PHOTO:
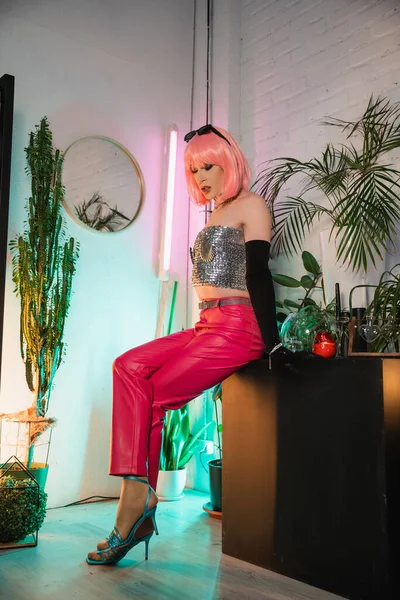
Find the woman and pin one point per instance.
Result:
(237, 322)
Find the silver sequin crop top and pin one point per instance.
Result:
(219, 258)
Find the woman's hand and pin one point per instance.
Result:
(280, 358)
(285, 360)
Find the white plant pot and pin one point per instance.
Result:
(170, 485)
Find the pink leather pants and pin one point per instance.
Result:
(167, 373)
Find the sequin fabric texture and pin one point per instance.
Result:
(219, 258)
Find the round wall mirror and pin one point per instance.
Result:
(104, 186)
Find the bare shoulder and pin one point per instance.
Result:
(253, 203)
(255, 217)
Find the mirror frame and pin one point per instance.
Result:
(139, 174)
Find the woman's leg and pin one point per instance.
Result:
(131, 419)
(226, 339)
(133, 398)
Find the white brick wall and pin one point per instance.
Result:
(302, 60)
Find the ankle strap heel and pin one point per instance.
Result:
(134, 478)
(118, 547)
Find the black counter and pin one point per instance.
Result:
(311, 473)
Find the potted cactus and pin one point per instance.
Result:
(43, 260)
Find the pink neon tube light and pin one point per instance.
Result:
(169, 201)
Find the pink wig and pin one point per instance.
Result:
(210, 149)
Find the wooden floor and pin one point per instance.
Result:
(185, 561)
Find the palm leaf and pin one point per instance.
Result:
(379, 126)
(98, 214)
(366, 218)
(293, 220)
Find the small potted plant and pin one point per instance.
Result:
(309, 282)
(22, 506)
(178, 447)
(303, 320)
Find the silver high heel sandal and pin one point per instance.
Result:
(141, 531)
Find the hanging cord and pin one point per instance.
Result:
(89, 500)
(209, 58)
(190, 129)
(193, 64)
(208, 81)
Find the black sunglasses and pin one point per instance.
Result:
(202, 131)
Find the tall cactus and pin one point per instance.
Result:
(43, 267)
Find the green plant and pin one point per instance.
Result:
(43, 267)
(178, 444)
(22, 508)
(308, 282)
(362, 191)
(384, 310)
(299, 329)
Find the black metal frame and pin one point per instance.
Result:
(12, 466)
(6, 125)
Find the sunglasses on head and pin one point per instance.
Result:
(202, 131)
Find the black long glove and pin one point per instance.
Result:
(261, 290)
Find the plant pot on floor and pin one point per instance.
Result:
(170, 484)
(214, 507)
(215, 467)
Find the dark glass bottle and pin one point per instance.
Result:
(359, 344)
(344, 333)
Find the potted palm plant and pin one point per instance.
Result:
(360, 184)
(178, 447)
(44, 261)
